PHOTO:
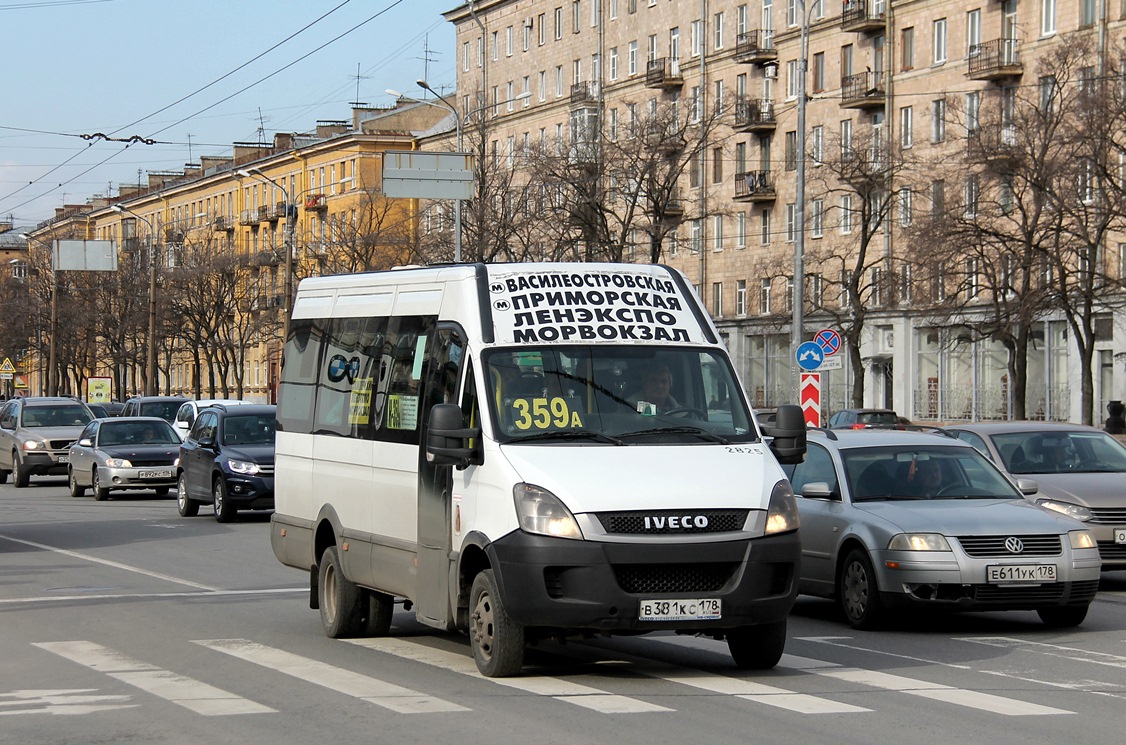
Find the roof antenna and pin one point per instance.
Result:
(358, 103)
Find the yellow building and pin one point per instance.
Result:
(225, 238)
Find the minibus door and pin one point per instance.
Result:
(432, 606)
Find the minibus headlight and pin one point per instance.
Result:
(541, 512)
(783, 514)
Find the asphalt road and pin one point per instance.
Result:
(122, 622)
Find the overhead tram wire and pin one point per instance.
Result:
(223, 100)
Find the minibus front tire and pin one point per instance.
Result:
(496, 640)
(757, 647)
(340, 599)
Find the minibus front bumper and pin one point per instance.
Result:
(562, 583)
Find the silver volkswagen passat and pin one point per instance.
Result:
(892, 520)
(124, 453)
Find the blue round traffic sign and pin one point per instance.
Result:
(809, 355)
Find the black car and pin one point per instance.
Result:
(866, 419)
(164, 407)
(227, 460)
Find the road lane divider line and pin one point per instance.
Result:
(108, 563)
(191, 694)
(151, 595)
(562, 690)
(374, 691)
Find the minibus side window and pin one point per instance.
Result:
(398, 396)
(299, 373)
(350, 364)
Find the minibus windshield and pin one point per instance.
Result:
(615, 395)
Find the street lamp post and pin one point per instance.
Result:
(287, 243)
(151, 388)
(798, 323)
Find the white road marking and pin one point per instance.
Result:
(557, 688)
(938, 692)
(1054, 650)
(760, 693)
(151, 595)
(191, 694)
(62, 702)
(107, 562)
(375, 691)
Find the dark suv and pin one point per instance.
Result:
(36, 434)
(227, 460)
(866, 419)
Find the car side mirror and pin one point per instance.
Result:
(788, 433)
(86, 442)
(817, 490)
(1028, 487)
(447, 440)
(207, 441)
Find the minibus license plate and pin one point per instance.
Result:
(700, 609)
(1029, 573)
(166, 474)
(1120, 535)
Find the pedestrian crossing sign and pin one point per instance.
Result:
(7, 367)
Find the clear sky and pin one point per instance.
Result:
(194, 75)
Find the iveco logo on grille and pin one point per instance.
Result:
(676, 522)
(1014, 545)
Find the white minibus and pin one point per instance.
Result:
(524, 452)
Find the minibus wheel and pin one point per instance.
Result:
(757, 647)
(496, 640)
(340, 599)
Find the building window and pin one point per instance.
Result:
(717, 299)
(508, 42)
(971, 193)
(791, 224)
(613, 63)
(558, 24)
(973, 109)
(543, 85)
(938, 120)
(940, 41)
(741, 230)
(740, 297)
(465, 56)
(817, 144)
(792, 79)
(526, 38)
(791, 150)
(632, 58)
(846, 138)
(717, 23)
(717, 165)
(817, 218)
(717, 232)
(907, 49)
(697, 40)
(764, 297)
(906, 126)
(576, 16)
(938, 198)
(558, 81)
(1047, 17)
(764, 227)
(541, 20)
(905, 199)
(846, 214)
(819, 72)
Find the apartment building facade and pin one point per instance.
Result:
(227, 235)
(893, 86)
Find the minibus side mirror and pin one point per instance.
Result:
(447, 440)
(788, 432)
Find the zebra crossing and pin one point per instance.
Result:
(593, 693)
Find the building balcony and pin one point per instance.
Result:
(863, 15)
(663, 73)
(755, 48)
(264, 214)
(995, 144)
(995, 60)
(316, 202)
(247, 217)
(665, 138)
(863, 90)
(674, 206)
(754, 115)
(584, 93)
(754, 186)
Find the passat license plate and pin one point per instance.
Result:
(165, 474)
(697, 609)
(1001, 574)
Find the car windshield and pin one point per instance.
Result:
(56, 416)
(136, 433)
(166, 410)
(877, 417)
(923, 472)
(1077, 451)
(249, 430)
(615, 394)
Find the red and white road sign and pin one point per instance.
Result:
(809, 394)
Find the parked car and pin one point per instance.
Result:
(1078, 470)
(36, 434)
(189, 410)
(124, 453)
(893, 520)
(227, 460)
(164, 407)
(113, 408)
(865, 418)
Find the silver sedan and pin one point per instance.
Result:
(124, 453)
(893, 520)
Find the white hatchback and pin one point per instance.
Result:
(189, 410)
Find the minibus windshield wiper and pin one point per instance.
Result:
(679, 431)
(571, 434)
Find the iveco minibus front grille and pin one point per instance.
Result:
(650, 579)
(664, 522)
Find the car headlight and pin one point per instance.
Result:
(918, 542)
(1076, 511)
(118, 463)
(34, 445)
(246, 468)
(1082, 539)
(782, 515)
(541, 512)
